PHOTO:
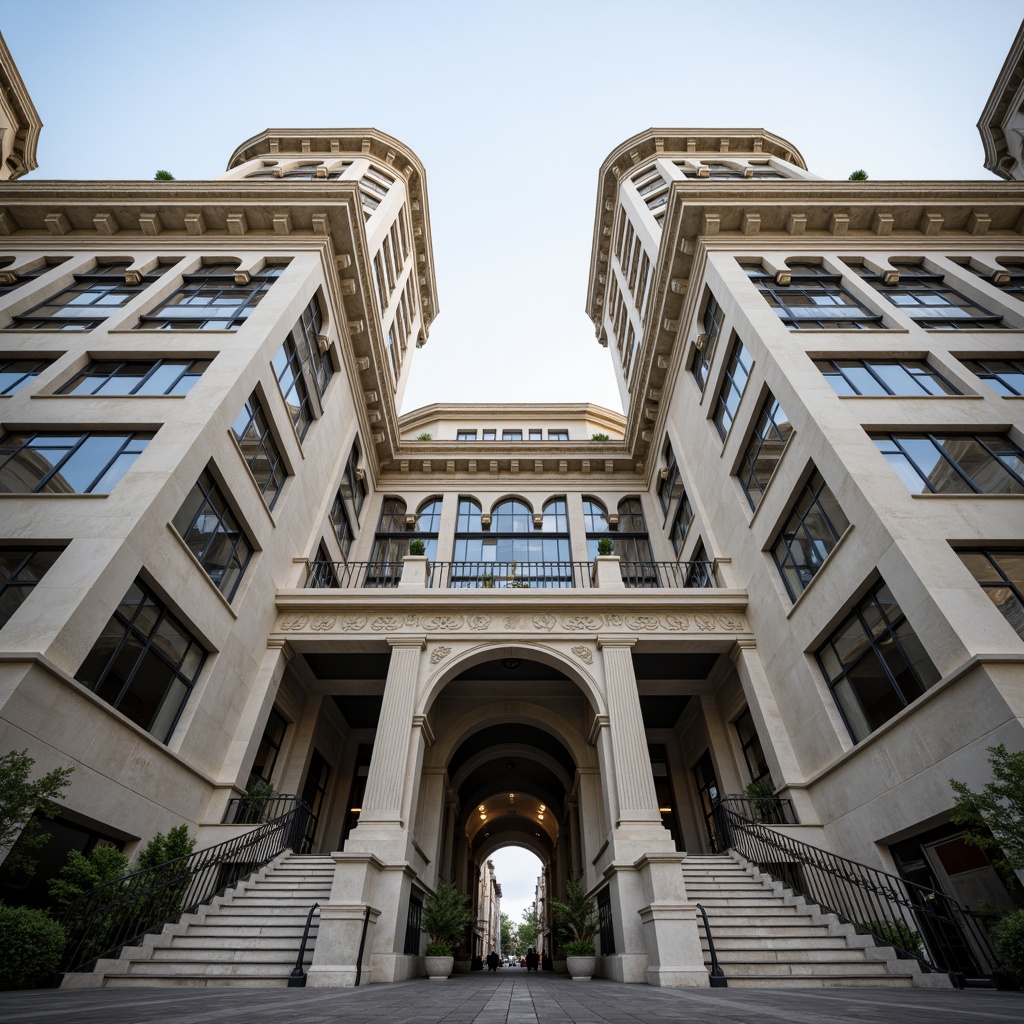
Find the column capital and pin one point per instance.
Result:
(420, 722)
(742, 645)
(616, 641)
(600, 722)
(418, 642)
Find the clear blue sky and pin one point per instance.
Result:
(512, 107)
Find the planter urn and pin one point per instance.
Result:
(439, 967)
(581, 968)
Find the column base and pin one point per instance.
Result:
(337, 977)
(677, 977)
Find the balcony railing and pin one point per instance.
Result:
(508, 575)
(668, 574)
(353, 575)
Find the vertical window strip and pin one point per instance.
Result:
(737, 373)
(765, 448)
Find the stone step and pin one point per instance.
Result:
(287, 912)
(741, 908)
(213, 943)
(805, 969)
(768, 931)
(171, 980)
(258, 929)
(779, 943)
(279, 954)
(808, 955)
(201, 968)
(820, 981)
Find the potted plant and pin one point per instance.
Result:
(605, 546)
(446, 915)
(417, 547)
(487, 580)
(577, 917)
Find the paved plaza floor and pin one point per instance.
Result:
(510, 997)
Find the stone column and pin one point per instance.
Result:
(374, 871)
(656, 938)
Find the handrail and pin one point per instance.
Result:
(919, 923)
(117, 913)
(258, 810)
(717, 978)
(297, 979)
(769, 810)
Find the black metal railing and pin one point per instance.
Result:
(413, 931)
(668, 574)
(297, 979)
(117, 913)
(510, 575)
(769, 810)
(717, 979)
(920, 923)
(353, 575)
(257, 810)
(604, 917)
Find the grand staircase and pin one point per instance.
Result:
(249, 936)
(766, 937)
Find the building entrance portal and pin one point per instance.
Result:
(508, 745)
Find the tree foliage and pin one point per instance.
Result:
(509, 935)
(23, 804)
(82, 873)
(528, 929)
(163, 176)
(993, 819)
(859, 175)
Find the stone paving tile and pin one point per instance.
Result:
(510, 999)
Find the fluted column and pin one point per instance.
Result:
(386, 781)
(631, 774)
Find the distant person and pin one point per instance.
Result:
(532, 960)
(493, 961)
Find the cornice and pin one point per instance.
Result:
(734, 142)
(27, 123)
(473, 411)
(799, 217)
(1005, 94)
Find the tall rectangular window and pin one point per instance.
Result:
(288, 371)
(910, 377)
(701, 570)
(874, 663)
(136, 377)
(342, 524)
(753, 753)
(813, 299)
(681, 523)
(270, 747)
(92, 463)
(767, 442)
(1000, 572)
(144, 663)
(306, 336)
(21, 569)
(737, 373)
(259, 449)
(808, 535)
(954, 463)
(931, 303)
(1004, 376)
(210, 299)
(711, 322)
(670, 483)
(85, 304)
(211, 529)
(353, 487)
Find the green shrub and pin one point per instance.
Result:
(446, 915)
(417, 547)
(23, 804)
(81, 873)
(574, 948)
(31, 944)
(599, 437)
(605, 546)
(1009, 937)
(439, 949)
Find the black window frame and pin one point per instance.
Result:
(734, 383)
(1002, 581)
(750, 469)
(880, 636)
(216, 279)
(917, 370)
(712, 319)
(291, 382)
(811, 282)
(28, 368)
(207, 500)
(265, 449)
(25, 442)
(982, 441)
(191, 371)
(22, 567)
(982, 369)
(95, 671)
(807, 506)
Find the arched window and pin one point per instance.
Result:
(395, 534)
(514, 551)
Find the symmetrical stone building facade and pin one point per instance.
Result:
(815, 499)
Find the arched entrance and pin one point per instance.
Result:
(554, 753)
